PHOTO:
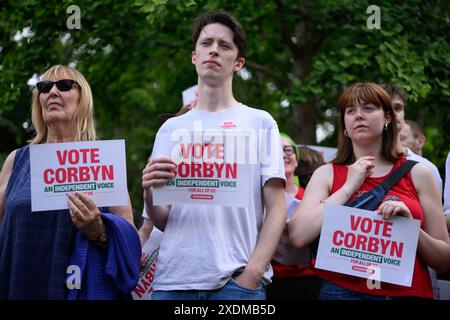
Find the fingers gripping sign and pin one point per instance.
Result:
(391, 208)
(158, 172)
(85, 215)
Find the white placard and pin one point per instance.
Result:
(144, 286)
(328, 153)
(97, 168)
(443, 290)
(285, 252)
(360, 243)
(190, 95)
(208, 172)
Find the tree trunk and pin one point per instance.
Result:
(303, 123)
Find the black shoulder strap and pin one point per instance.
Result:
(395, 176)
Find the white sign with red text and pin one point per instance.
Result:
(328, 153)
(360, 243)
(208, 172)
(96, 168)
(144, 287)
(190, 96)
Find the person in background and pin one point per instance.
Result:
(399, 102)
(36, 247)
(309, 161)
(368, 150)
(294, 277)
(412, 137)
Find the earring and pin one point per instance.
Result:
(385, 126)
(345, 133)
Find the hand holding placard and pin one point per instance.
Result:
(85, 215)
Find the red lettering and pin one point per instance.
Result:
(337, 234)
(197, 151)
(146, 284)
(72, 174)
(84, 174)
(354, 224)
(387, 229)
(183, 170)
(195, 169)
(372, 246)
(84, 155)
(94, 155)
(48, 176)
(185, 151)
(219, 168)
(139, 291)
(60, 175)
(208, 170)
(231, 169)
(74, 157)
(361, 241)
(349, 240)
(219, 151)
(108, 172)
(396, 249)
(149, 277)
(384, 245)
(95, 171)
(377, 223)
(61, 158)
(366, 225)
(209, 148)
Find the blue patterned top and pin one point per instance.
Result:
(35, 247)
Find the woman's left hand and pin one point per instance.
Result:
(391, 208)
(85, 215)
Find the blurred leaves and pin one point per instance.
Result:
(136, 57)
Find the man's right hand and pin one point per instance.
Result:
(158, 172)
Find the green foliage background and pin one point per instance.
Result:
(136, 57)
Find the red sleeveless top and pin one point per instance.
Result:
(404, 191)
(294, 271)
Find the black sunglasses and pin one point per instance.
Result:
(62, 85)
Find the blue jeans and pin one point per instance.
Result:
(230, 291)
(331, 291)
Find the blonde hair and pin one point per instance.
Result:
(84, 118)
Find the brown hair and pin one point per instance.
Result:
(308, 162)
(84, 119)
(394, 90)
(163, 117)
(225, 18)
(368, 93)
(416, 129)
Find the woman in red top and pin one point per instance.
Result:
(293, 275)
(367, 153)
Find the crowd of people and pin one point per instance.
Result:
(265, 249)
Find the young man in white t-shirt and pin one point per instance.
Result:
(211, 251)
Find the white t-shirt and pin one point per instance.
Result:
(412, 156)
(447, 186)
(203, 245)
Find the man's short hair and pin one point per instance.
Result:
(225, 18)
(394, 90)
(416, 129)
